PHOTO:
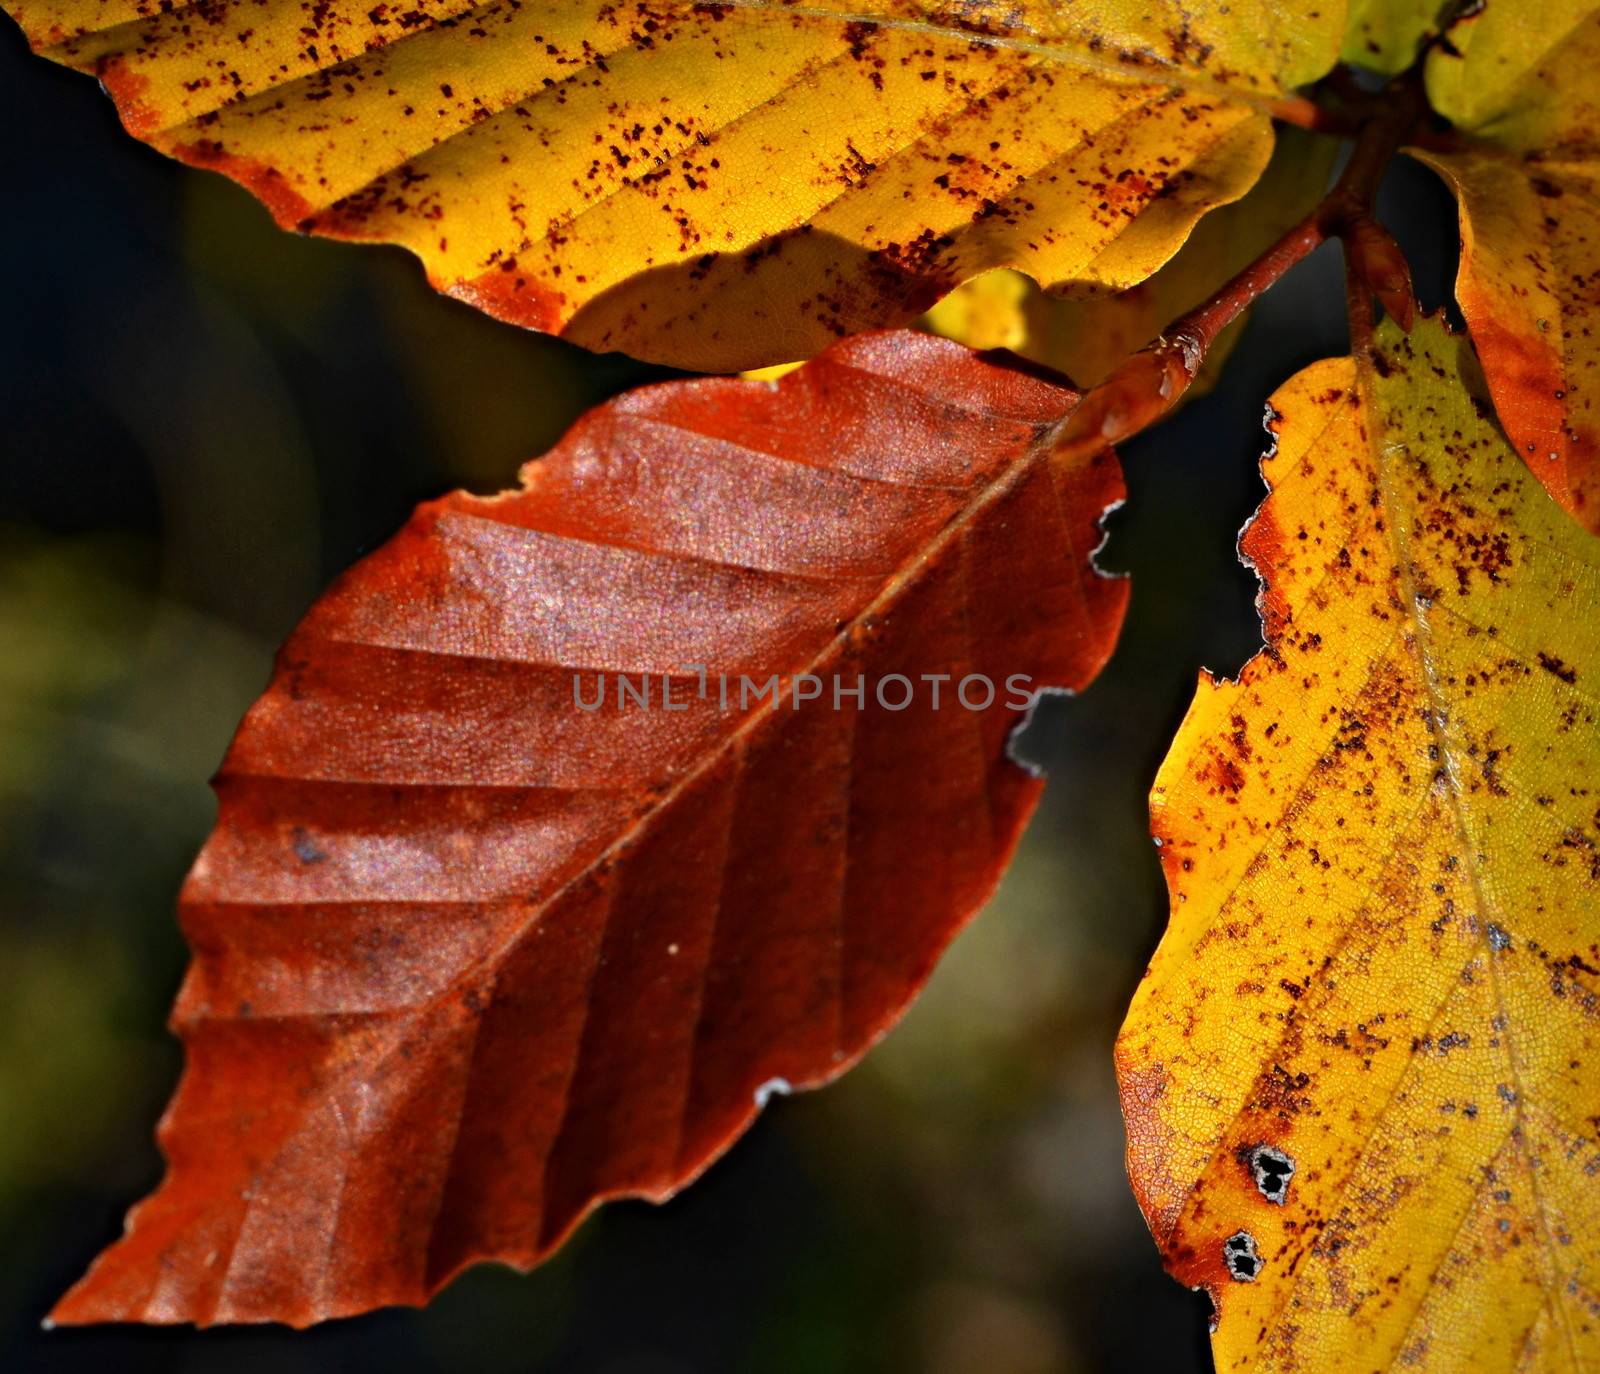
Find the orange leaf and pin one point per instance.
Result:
(470, 958)
(1360, 1077)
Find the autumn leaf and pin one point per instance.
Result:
(474, 950)
(1520, 82)
(1387, 36)
(1360, 1076)
(716, 186)
(1086, 339)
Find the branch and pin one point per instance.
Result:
(1375, 265)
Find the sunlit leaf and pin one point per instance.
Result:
(1523, 86)
(718, 186)
(1360, 1077)
(471, 957)
(1087, 338)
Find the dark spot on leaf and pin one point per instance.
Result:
(1551, 664)
(304, 847)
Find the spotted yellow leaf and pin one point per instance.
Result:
(1087, 337)
(714, 185)
(1519, 82)
(1362, 1075)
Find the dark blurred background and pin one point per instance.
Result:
(204, 419)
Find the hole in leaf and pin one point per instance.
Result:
(1240, 1256)
(1272, 1170)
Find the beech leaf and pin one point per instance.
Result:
(716, 186)
(472, 954)
(1360, 1076)
(1387, 35)
(1520, 82)
(1087, 339)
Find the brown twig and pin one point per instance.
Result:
(1395, 118)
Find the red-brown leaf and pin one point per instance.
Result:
(468, 960)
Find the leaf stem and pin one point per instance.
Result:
(1151, 382)
(1307, 113)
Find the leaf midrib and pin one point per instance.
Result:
(486, 966)
(1417, 612)
(985, 495)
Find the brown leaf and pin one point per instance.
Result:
(469, 959)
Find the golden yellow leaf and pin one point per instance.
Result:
(1520, 80)
(714, 185)
(1086, 338)
(1362, 1075)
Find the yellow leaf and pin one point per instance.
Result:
(1528, 181)
(1362, 1075)
(1386, 35)
(1087, 338)
(715, 185)
(1494, 76)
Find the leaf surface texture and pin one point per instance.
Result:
(1369, 1040)
(715, 186)
(469, 959)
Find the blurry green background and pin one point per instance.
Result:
(203, 419)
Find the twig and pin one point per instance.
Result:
(1153, 380)
(1375, 265)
